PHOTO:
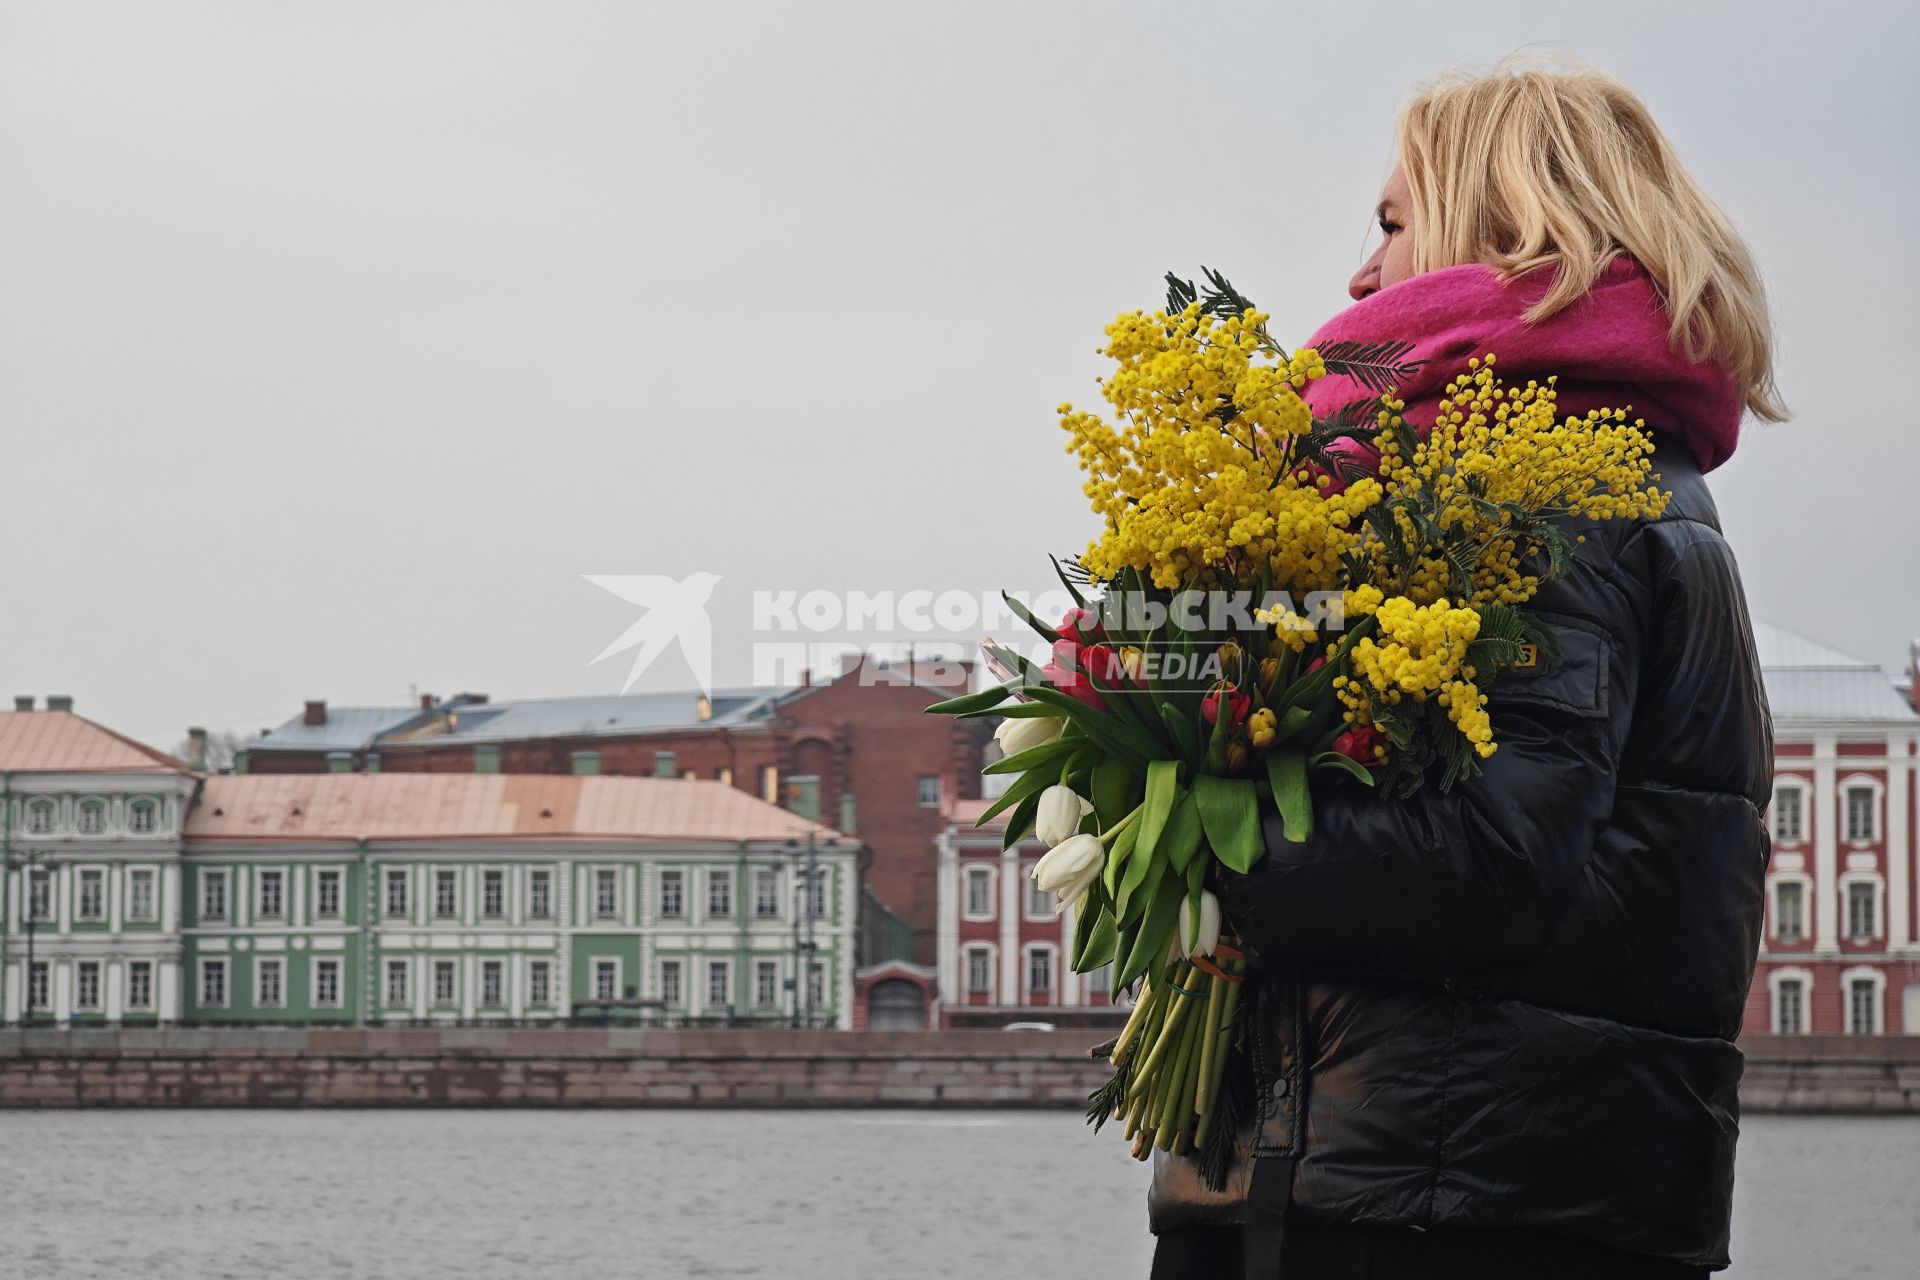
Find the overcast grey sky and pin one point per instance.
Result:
(338, 340)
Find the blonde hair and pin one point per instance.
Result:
(1527, 167)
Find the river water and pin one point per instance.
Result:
(515, 1195)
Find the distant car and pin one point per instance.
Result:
(1028, 1026)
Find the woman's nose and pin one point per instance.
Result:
(1365, 281)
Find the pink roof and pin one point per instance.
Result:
(62, 742)
(446, 806)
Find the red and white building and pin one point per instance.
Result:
(1003, 952)
(1841, 951)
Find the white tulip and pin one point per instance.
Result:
(1017, 734)
(1059, 815)
(1209, 936)
(1071, 863)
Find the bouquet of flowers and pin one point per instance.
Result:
(1273, 593)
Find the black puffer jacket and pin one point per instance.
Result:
(1514, 1005)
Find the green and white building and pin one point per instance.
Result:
(382, 898)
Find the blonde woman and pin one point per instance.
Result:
(1494, 1030)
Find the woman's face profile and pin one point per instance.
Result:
(1392, 262)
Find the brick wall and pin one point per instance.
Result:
(637, 1068)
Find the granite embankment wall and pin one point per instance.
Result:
(639, 1068)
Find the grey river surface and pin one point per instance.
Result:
(480, 1195)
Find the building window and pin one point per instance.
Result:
(766, 892)
(664, 765)
(40, 817)
(1789, 814)
(269, 991)
(816, 985)
(719, 984)
(493, 894)
(926, 790)
(1040, 903)
(93, 817)
(672, 904)
(606, 979)
(492, 984)
(93, 896)
(1040, 972)
(979, 971)
(980, 893)
(326, 895)
(1100, 981)
(86, 986)
(766, 982)
(396, 892)
(397, 982)
(719, 893)
(326, 984)
(139, 986)
(270, 894)
(606, 892)
(213, 984)
(141, 816)
(539, 894)
(816, 895)
(1863, 900)
(1862, 1004)
(213, 895)
(39, 894)
(140, 894)
(37, 986)
(1862, 813)
(539, 982)
(1790, 911)
(1789, 1007)
(445, 981)
(446, 893)
(670, 983)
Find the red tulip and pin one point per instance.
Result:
(1238, 705)
(1358, 743)
(1064, 674)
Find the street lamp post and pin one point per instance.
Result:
(805, 873)
(26, 864)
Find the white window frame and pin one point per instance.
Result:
(498, 968)
(404, 968)
(539, 973)
(813, 900)
(678, 966)
(1805, 791)
(762, 968)
(90, 805)
(150, 877)
(262, 965)
(39, 986)
(149, 807)
(606, 965)
(135, 1002)
(677, 877)
(42, 816)
(339, 876)
(439, 965)
(1038, 904)
(920, 793)
(260, 882)
(766, 893)
(443, 877)
(1871, 879)
(817, 988)
(314, 969)
(42, 893)
(990, 875)
(492, 878)
(1029, 954)
(723, 968)
(1805, 884)
(215, 964)
(389, 878)
(720, 892)
(1864, 973)
(1790, 973)
(82, 876)
(222, 876)
(1876, 825)
(535, 910)
(602, 877)
(985, 950)
(81, 1002)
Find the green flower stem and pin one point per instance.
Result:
(1106, 837)
(1223, 1037)
(1208, 1053)
(1141, 1016)
(1173, 1108)
(1148, 1070)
